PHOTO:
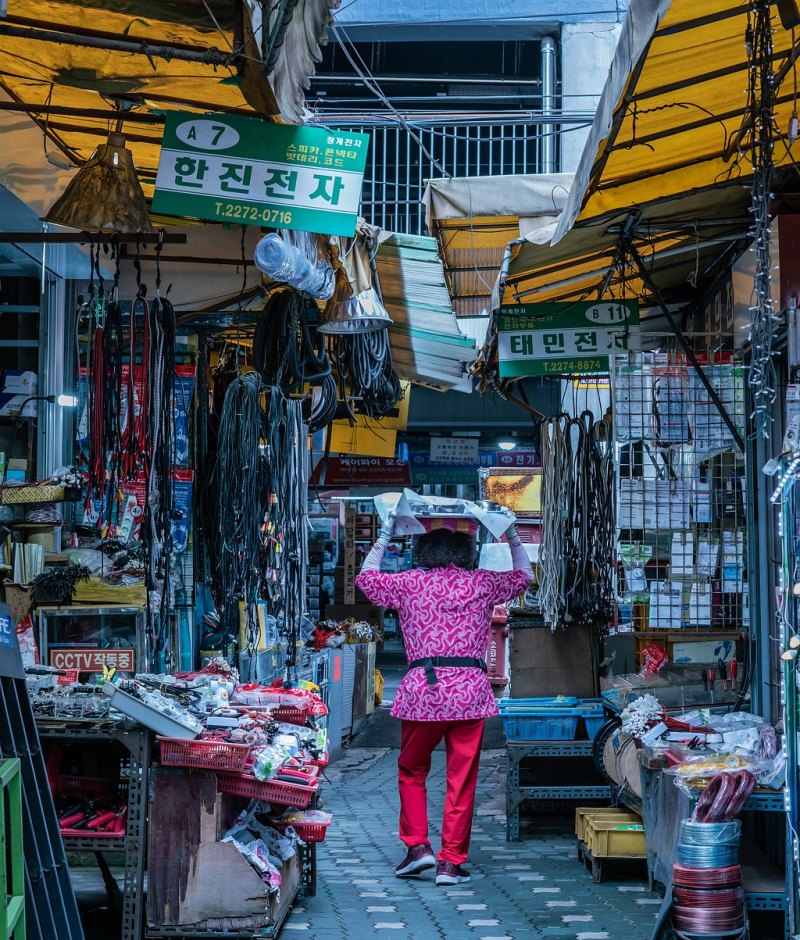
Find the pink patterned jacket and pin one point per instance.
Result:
(444, 612)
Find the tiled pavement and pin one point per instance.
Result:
(532, 889)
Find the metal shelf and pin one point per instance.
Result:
(90, 844)
(766, 801)
(137, 741)
(516, 795)
(519, 749)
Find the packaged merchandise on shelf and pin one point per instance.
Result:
(699, 745)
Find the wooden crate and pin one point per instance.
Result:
(196, 882)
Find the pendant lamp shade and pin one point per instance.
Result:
(358, 313)
(105, 195)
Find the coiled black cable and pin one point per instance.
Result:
(364, 361)
(290, 354)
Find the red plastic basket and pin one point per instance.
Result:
(308, 832)
(207, 755)
(321, 761)
(273, 791)
(291, 714)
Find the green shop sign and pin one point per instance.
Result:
(559, 338)
(235, 169)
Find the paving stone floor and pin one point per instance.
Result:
(532, 889)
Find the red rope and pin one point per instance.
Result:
(97, 453)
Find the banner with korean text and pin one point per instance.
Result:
(228, 168)
(565, 338)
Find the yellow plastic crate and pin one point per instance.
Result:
(614, 839)
(584, 813)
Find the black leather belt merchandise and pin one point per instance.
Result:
(430, 662)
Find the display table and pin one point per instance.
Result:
(136, 740)
(664, 805)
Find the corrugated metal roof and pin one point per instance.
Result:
(427, 345)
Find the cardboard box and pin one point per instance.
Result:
(17, 381)
(543, 663)
(14, 404)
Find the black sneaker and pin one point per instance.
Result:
(449, 874)
(418, 859)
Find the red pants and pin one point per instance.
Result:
(463, 747)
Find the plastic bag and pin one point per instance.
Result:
(26, 638)
(291, 258)
(698, 771)
(654, 658)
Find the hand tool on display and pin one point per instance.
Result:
(66, 820)
(704, 677)
(712, 677)
(723, 674)
(734, 670)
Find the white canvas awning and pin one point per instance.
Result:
(473, 219)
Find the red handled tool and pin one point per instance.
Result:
(734, 669)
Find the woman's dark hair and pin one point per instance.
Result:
(441, 548)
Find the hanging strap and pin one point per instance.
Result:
(428, 664)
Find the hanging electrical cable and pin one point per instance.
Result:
(577, 544)
(290, 354)
(243, 492)
(364, 361)
(160, 502)
(761, 92)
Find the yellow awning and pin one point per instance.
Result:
(73, 58)
(669, 144)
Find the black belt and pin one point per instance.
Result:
(428, 664)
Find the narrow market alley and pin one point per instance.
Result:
(530, 889)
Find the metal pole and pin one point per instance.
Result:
(209, 56)
(548, 104)
(788, 625)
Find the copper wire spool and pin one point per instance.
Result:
(706, 877)
(701, 897)
(708, 923)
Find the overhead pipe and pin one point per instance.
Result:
(548, 104)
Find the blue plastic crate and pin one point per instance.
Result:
(543, 724)
(561, 701)
(593, 717)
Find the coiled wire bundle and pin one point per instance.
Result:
(364, 362)
(577, 549)
(290, 354)
(707, 856)
(707, 896)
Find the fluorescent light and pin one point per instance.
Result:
(67, 401)
(507, 445)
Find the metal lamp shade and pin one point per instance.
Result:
(359, 313)
(105, 195)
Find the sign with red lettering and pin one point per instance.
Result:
(362, 471)
(92, 659)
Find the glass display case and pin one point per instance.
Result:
(87, 638)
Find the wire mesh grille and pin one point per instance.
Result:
(399, 163)
(681, 501)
